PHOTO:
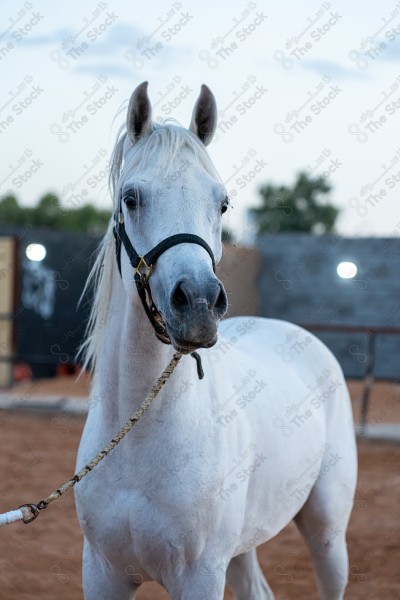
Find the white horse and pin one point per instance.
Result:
(218, 465)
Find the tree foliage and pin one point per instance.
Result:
(226, 235)
(49, 213)
(296, 208)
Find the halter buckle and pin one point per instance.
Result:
(143, 264)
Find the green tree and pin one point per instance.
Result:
(89, 218)
(51, 214)
(47, 212)
(296, 208)
(10, 210)
(226, 235)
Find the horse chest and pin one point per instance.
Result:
(138, 502)
(128, 527)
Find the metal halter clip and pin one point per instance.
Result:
(33, 508)
(142, 263)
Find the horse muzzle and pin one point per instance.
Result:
(194, 311)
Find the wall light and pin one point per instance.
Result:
(35, 252)
(346, 270)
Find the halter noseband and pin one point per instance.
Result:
(143, 266)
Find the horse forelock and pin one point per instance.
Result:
(162, 148)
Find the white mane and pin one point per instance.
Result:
(162, 147)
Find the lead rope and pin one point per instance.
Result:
(28, 512)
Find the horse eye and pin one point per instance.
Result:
(224, 206)
(131, 200)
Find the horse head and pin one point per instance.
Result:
(168, 186)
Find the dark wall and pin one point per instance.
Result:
(298, 282)
(48, 323)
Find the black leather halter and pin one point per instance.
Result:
(143, 266)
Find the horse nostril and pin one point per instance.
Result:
(221, 303)
(179, 297)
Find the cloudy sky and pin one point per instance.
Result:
(300, 86)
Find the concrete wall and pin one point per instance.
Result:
(298, 282)
(289, 276)
(239, 271)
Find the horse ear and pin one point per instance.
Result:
(204, 117)
(138, 119)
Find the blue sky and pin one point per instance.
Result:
(300, 86)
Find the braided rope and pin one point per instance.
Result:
(29, 512)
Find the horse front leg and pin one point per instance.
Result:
(100, 581)
(245, 577)
(197, 582)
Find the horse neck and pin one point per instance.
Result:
(131, 358)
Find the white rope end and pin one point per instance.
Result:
(10, 517)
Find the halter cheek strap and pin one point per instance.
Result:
(142, 267)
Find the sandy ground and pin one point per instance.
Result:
(42, 561)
